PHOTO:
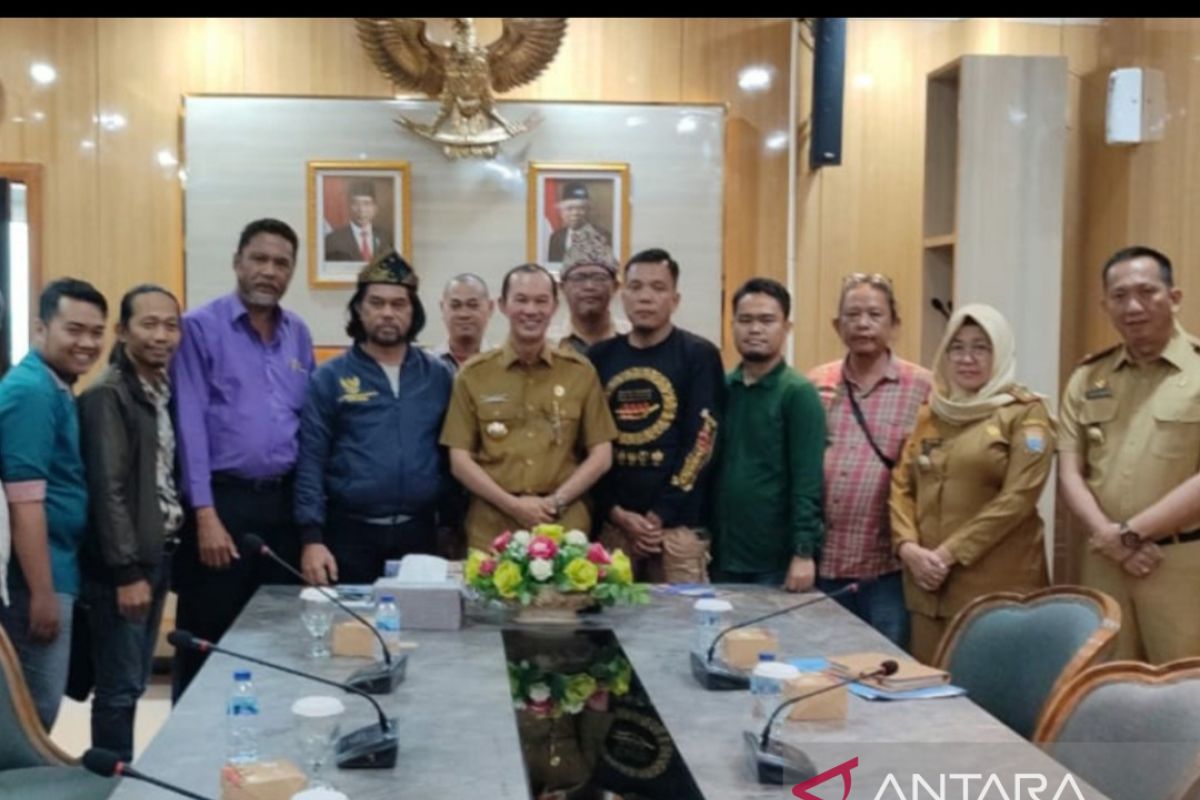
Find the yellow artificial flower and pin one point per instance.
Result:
(553, 532)
(507, 579)
(581, 574)
(619, 684)
(471, 568)
(578, 689)
(621, 568)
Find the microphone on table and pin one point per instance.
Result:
(379, 678)
(109, 764)
(776, 762)
(716, 677)
(372, 747)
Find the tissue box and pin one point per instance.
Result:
(261, 780)
(425, 607)
(827, 705)
(740, 648)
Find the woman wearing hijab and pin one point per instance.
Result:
(964, 495)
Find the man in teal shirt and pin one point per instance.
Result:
(42, 470)
(771, 463)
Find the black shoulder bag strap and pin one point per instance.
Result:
(890, 463)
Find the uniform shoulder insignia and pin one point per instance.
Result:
(1023, 395)
(480, 358)
(1092, 358)
(570, 354)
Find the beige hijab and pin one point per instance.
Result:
(960, 407)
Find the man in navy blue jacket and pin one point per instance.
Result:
(371, 473)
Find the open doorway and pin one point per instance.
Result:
(20, 256)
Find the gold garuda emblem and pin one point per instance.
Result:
(463, 75)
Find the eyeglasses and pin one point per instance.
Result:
(580, 278)
(960, 352)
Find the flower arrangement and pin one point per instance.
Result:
(551, 694)
(526, 564)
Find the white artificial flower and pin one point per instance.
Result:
(539, 692)
(522, 537)
(577, 538)
(541, 569)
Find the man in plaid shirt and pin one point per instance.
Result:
(871, 399)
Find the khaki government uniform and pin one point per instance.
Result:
(973, 488)
(1136, 429)
(528, 426)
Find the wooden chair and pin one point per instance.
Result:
(1132, 730)
(31, 766)
(1012, 652)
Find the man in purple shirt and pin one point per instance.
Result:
(240, 380)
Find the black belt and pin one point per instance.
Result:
(1178, 538)
(384, 519)
(253, 484)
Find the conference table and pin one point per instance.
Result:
(459, 735)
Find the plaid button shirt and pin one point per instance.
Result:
(857, 536)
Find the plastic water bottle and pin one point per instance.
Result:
(759, 683)
(241, 720)
(709, 616)
(387, 621)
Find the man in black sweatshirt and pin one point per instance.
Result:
(664, 388)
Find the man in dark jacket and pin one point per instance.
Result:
(128, 443)
(371, 474)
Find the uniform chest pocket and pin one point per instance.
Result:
(562, 419)
(498, 420)
(1095, 417)
(1176, 427)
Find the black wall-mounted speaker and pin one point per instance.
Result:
(829, 80)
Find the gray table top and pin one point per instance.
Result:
(458, 733)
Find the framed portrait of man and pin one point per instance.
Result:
(577, 206)
(356, 210)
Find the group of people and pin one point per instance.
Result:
(919, 485)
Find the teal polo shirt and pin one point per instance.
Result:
(39, 441)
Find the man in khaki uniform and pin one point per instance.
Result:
(528, 427)
(1130, 434)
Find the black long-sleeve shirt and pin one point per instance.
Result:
(666, 401)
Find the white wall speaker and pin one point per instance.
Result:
(1137, 106)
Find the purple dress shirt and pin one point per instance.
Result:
(238, 398)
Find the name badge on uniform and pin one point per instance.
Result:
(494, 398)
(496, 429)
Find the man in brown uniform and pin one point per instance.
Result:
(1130, 434)
(528, 427)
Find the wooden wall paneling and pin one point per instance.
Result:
(145, 66)
(614, 59)
(309, 57)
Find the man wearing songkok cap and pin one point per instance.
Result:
(371, 473)
(589, 279)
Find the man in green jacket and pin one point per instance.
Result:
(768, 505)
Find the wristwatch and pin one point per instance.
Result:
(559, 505)
(1129, 537)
